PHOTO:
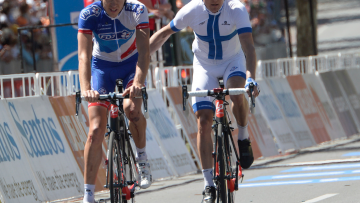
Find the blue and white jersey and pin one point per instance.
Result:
(216, 34)
(114, 38)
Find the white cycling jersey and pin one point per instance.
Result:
(216, 34)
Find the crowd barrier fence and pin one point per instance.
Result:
(304, 102)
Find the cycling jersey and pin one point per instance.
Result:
(114, 38)
(114, 50)
(216, 34)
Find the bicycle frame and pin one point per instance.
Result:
(223, 140)
(221, 119)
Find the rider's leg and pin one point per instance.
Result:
(240, 109)
(137, 126)
(93, 149)
(205, 144)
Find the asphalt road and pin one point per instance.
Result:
(327, 173)
(302, 178)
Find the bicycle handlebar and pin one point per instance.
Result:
(115, 96)
(217, 91)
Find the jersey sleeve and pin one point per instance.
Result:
(141, 17)
(88, 19)
(242, 19)
(181, 20)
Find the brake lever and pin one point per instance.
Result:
(185, 96)
(145, 98)
(78, 112)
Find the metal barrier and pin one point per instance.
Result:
(301, 65)
(36, 84)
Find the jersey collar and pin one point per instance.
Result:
(211, 13)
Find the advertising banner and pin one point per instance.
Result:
(76, 134)
(17, 181)
(349, 92)
(326, 110)
(160, 168)
(291, 110)
(187, 118)
(308, 108)
(262, 134)
(65, 38)
(37, 131)
(266, 104)
(340, 104)
(167, 136)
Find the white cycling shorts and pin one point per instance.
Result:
(205, 77)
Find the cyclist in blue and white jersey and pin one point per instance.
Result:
(223, 47)
(109, 33)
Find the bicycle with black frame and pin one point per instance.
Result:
(121, 171)
(226, 176)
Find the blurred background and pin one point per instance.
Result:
(40, 35)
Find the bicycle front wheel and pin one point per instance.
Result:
(115, 177)
(130, 169)
(222, 186)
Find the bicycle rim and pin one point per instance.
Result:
(230, 170)
(222, 184)
(114, 170)
(130, 169)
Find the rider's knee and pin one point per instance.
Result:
(133, 112)
(96, 135)
(238, 99)
(205, 120)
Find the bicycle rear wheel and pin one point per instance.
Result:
(221, 159)
(115, 177)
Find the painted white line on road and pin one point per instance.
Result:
(326, 167)
(292, 182)
(309, 163)
(303, 175)
(322, 197)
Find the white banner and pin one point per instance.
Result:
(292, 113)
(17, 182)
(41, 144)
(160, 168)
(267, 105)
(263, 135)
(325, 107)
(167, 135)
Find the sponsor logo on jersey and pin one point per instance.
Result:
(102, 90)
(91, 11)
(137, 8)
(202, 23)
(124, 34)
(225, 23)
(233, 68)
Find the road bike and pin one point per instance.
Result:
(226, 176)
(121, 171)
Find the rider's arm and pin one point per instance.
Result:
(160, 37)
(85, 50)
(142, 42)
(247, 45)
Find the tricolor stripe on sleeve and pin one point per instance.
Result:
(142, 26)
(85, 31)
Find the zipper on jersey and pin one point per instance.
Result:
(117, 42)
(214, 38)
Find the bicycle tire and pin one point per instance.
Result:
(114, 169)
(230, 194)
(222, 183)
(130, 169)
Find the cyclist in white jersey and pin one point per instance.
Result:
(223, 47)
(109, 33)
